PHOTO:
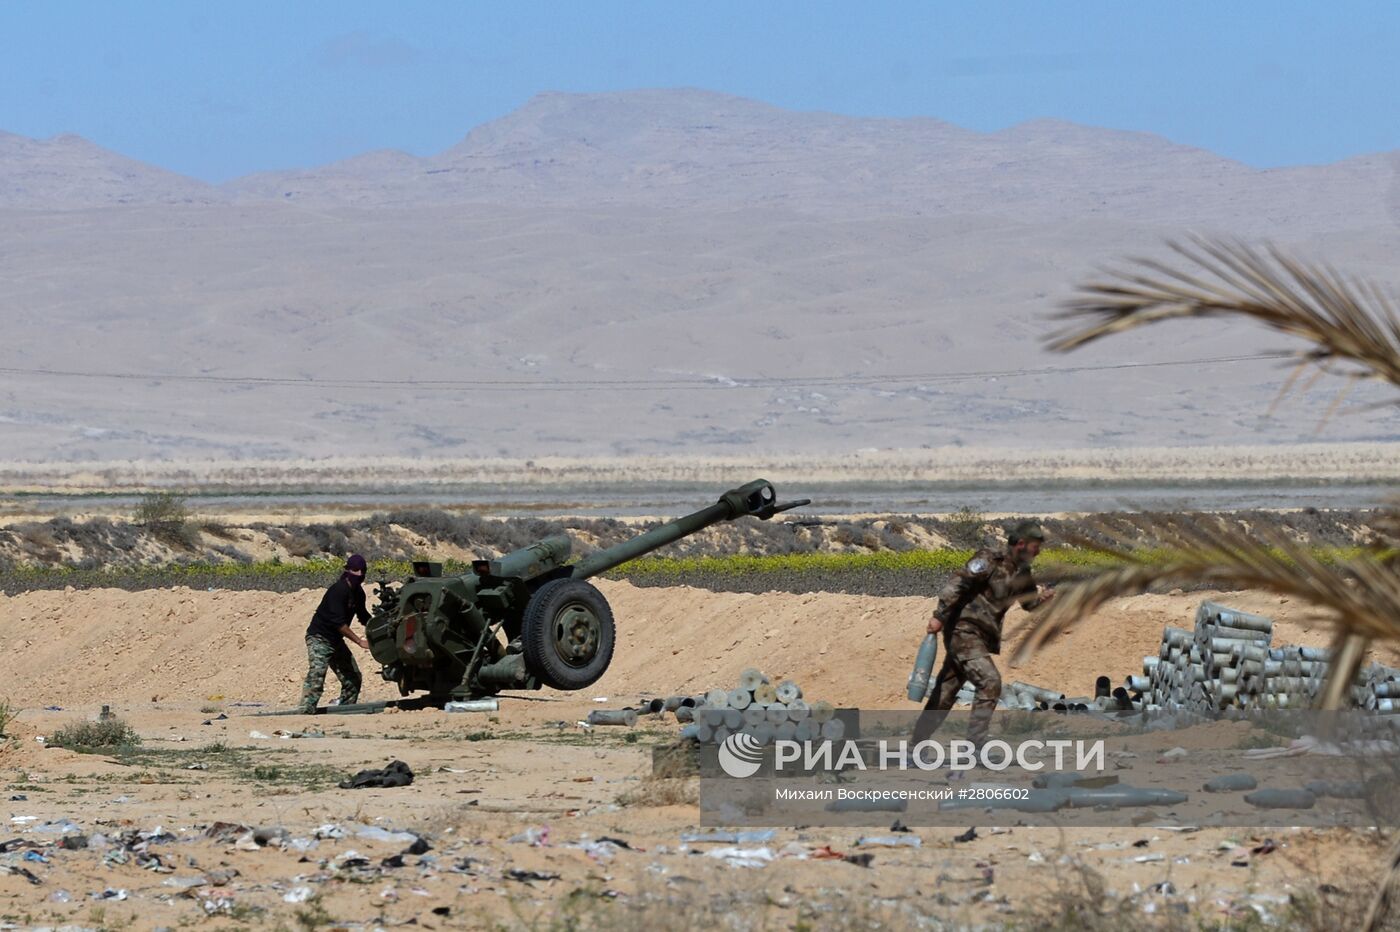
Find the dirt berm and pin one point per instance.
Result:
(80, 647)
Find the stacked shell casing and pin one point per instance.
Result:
(765, 710)
(1228, 662)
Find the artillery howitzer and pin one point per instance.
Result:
(527, 619)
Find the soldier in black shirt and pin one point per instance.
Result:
(343, 602)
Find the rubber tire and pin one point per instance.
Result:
(537, 634)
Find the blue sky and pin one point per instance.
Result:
(216, 90)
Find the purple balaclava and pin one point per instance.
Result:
(355, 569)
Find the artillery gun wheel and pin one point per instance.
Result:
(568, 634)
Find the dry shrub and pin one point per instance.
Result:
(300, 545)
(215, 529)
(161, 510)
(38, 541)
(106, 735)
(965, 528)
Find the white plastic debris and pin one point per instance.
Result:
(735, 856)
(537, 837)
(756, 836)
(297, 895)
(375, 833)
(890, 841)
(184, 883)
(795, 850)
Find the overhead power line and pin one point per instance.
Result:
(711, 383)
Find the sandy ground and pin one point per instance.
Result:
(472, 797)
(170, 663)
(74, 647)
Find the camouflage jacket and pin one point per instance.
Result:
(981, 593)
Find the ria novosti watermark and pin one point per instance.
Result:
(741, 755)
(1182, 769)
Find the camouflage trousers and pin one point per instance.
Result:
(968, 660)
(321, 656)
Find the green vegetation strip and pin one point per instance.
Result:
(795, 571)
(816, 564)
(1051, 560)
(272, 576)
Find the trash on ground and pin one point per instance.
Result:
(890, 841)
(735, 856)
(525, 876)
(537, 837)
(397, 773)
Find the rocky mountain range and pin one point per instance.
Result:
(643, 272)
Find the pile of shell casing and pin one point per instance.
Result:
(765, 710)
(1228, 662)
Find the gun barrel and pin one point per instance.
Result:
(756, 498)
(534, 560)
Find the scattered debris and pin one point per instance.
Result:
(742, 857)
(537, 837)
(731, 838)
(397, 773)
(890, 841)
(525, 876)
(375, 833)
(22, 872)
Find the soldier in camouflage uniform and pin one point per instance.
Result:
(969, 613)
(343, 602)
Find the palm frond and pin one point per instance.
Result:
(1358, 597)
(1352, 325)
(1354, 330)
